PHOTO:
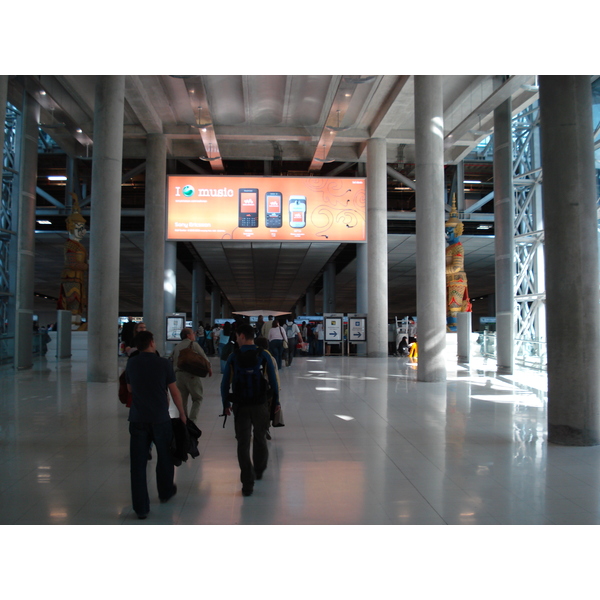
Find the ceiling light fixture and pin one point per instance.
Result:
(359, 80)
(324, 160)
(199, 124)
(209, 157)
(338, 128)
(57, 178)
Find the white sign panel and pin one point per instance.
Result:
(357, 329)
(333, 328)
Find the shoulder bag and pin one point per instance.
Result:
(284, 338)
(192, 362)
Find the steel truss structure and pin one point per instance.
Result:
(529, 234)
(7, 224)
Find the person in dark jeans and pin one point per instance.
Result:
(148, 378)
(251, 418)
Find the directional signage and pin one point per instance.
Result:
(357, 328)
(333, 328)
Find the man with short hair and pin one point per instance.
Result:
(267, 327)
(148, 378)
(188, 384)
(244, 371)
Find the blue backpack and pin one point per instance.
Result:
(249, 384)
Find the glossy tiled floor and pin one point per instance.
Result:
(364, 443)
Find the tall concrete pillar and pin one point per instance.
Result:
(329, 288)
(362, 279)
(504, 218)
(170, 277)
(571, 255)
(105, 229)
(377, 271)
(460, 186)
(25, 225)
(362, 288)
(310, 301)
(430, 219)
(198, 293)
(215, 305)
(154, 238)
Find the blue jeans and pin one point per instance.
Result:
(141, 436)
(276, 349)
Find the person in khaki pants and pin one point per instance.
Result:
(188, 384)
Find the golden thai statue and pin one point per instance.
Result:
(73, 293)
(457, 294)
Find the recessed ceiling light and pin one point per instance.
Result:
(45, 222)
(57, 178)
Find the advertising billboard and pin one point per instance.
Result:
(284, 209)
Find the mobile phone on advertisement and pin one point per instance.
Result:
(273, 202)
(297, 211)
(248, 215)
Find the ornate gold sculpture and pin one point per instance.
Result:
(456, 279)
(73, 293)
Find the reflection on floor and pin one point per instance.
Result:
(364, 443)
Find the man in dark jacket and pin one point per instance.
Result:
(250, 410)
(148, 378)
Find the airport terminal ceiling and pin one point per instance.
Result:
(307, 126)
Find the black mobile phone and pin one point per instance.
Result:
(297, 211)
(248, 215)
(273, 207)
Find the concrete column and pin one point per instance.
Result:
(504, 218)
(170, 277)
(154, 238)
(105, 229)
(377, 271)
(430, 219)
(25, 226)
(329, 289)
(463, 341)
(571, 255)
(362, 288)
(362, 279)
(215, 305)
(198, 293)
(310, 301)
(460, 186)
(63, 333)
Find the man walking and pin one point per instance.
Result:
(148, 378)
(188, 384)
(244, 372)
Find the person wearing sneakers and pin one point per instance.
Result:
(245, 374)
(148, 378)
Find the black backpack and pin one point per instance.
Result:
(249, 385)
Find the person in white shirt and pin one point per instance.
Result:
(320, 333)
(276, 337)
(294, 337)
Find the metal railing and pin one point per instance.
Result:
(530, 354)
(7, 347)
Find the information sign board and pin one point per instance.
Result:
(357, 328)
(333, 327)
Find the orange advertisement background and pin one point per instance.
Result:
(335, 208)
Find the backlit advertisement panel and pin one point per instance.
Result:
(281, 209)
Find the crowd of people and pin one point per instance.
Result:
(250, 359)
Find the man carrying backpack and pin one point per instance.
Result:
(244, 374)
